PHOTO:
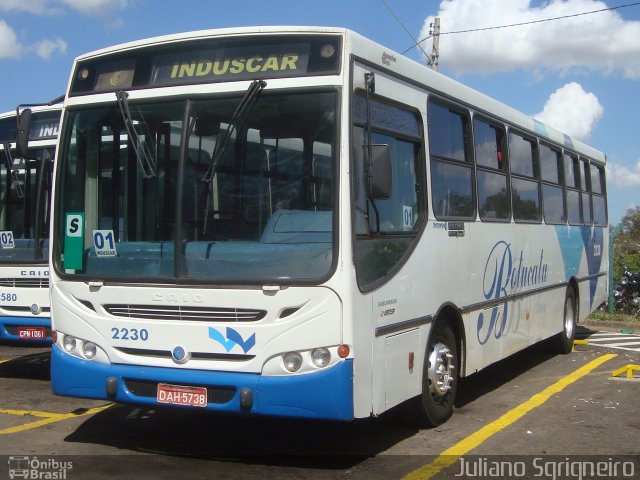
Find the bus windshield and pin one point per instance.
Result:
(19, 183)
(248, 199)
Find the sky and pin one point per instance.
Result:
(579, 74)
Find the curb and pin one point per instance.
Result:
(610, 326)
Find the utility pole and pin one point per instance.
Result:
(435, 51)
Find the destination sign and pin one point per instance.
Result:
(209, 61)
(43, 126)
(241, 63)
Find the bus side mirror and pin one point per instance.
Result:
(379, 176)
(22, 137)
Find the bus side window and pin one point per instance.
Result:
(585, 176)
(493, 180)
(451, 165)
(572, 191)
(525, 191)
(552, 191)
(598, 197)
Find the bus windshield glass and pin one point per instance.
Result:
(19, 183)
(230, 198)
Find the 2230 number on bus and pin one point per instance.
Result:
(181, 395)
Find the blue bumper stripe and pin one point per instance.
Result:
(326, 394)
(5, 322)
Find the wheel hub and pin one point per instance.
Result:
(569, 321)
(440, 371)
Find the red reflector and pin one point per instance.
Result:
(54, 336)
(343, 351)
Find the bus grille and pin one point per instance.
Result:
(23, 309)
(142, 388)
(24, 282)
(145, 352)
(180, 312)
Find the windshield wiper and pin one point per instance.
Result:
(142, 150)
(238, 117)
(8, 158)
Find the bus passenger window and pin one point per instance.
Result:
(552, 191)
(598, 187)
(525, 182)
(451, 167)
(493, 188)
(585, 176)
(572, 178)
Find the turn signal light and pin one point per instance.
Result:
(343, 351)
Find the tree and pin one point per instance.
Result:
(626, 251)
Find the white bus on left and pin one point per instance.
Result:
(25, 193)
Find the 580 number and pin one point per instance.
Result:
(8, 297)
(130, 334)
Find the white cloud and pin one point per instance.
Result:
(623, 176)
(30, 6)
(603, 42)
(94, 8)
(572, 111)
(47, 48)
(10, 47)
(97, 8)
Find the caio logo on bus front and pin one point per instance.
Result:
(504, 275)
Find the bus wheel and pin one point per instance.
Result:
(440, 378)
(563, 342)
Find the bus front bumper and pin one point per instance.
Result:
(326, 394)
(25, 329)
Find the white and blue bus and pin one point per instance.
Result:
(25, 192)
(299, 222)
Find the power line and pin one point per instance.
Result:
(525, 23)
(405, 28)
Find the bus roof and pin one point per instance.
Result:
(387, 59)
(39, 108)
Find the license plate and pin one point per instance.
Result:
(181, 395)
(32, 333)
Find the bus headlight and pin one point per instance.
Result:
(321, 357)
(89, 350)
(69, 343)
(302, 362)
(80, 348)
(292, 361)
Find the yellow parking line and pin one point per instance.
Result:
(451, 455)
(46, 417)
(33, 413)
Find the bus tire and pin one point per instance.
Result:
(563, 341)
(440, 377)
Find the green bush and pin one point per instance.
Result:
(626, 250)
